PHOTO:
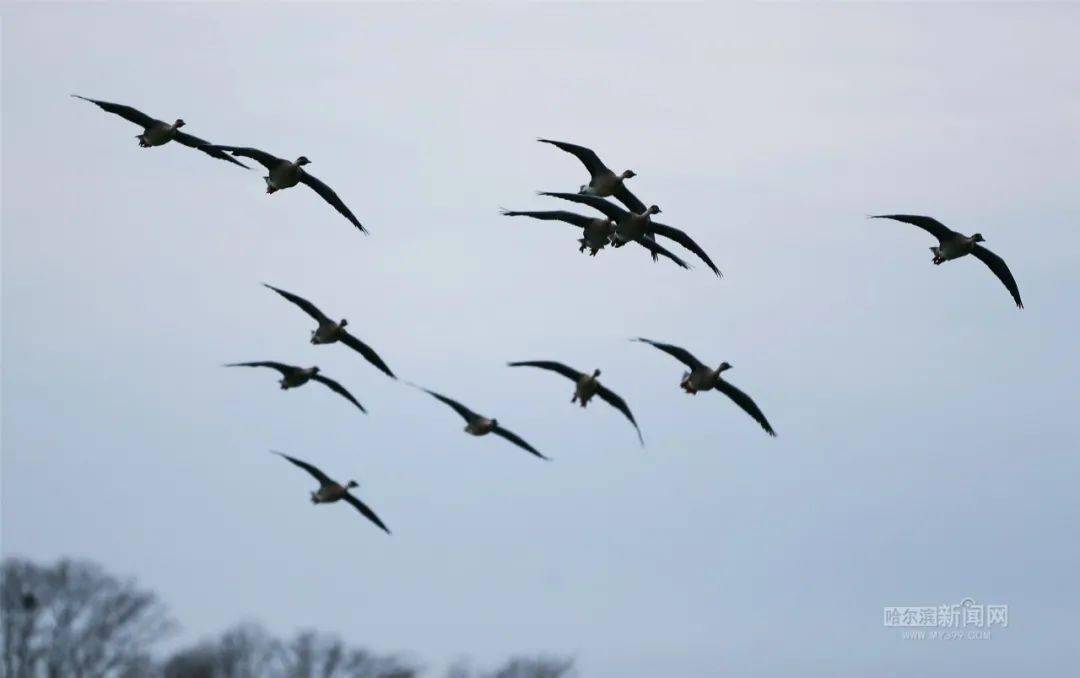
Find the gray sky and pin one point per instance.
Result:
(926, 452)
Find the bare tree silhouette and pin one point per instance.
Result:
(73, 619)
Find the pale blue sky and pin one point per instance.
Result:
(926, 450)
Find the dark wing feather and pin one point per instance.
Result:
(205, 147)
(366, 511)
(280, 367)
(262, 157)
(466, 414)
(553, 215)
(928, 224)
(329, 196)
(656, 248)
(339, 389)
(680, 354)
(612, 398)
(586, 155)
(686, 241)
(126, 112)
(997, 265)
(744, 401)
(610, 209)
(513, 437)
(315, 472)
(623, 195)
(568, 372)
(305, 305)
(366, 351)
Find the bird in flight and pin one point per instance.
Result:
(952, 245)
(702, 378)
(586, 386)
(293, 376)
(602, 181)
(329, 332)
(158, 132)
(478, 425)
(331, 491)
(282, 174)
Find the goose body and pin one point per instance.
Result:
(953, 245)
(159, 134)
(285, 174)
(703, 378)
(331, 491)
(586, 386)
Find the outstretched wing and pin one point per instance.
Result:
(680, 354)
(612, 398)
(262, 157)
(206, 147)
(513, 437)
(610, 209)
(686, 241)
(280, 367)
(315, 472)
(568, 372)
(126, 112)
(339, 389)
(997, 265)
(656, 248)
(366, 351)
(366, 511)
(466, 414)
(305, 305)
(553, 215)
(586, 155)
(744, 401)
(928, 224)
(329, 196)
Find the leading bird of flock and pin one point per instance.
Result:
(952, 245)
(703, 378)
(293, 376)
(585, 387)
(282, 174)
(329, 332)
(158, 132)
(330, 491)
(479, 425)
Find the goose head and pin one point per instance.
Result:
(313, 370)
(351, 484)
(724, 366)
(343, 322)
(596, 373)
(302, 160)
(653, 209)
(628, 174)
(179, 123)
(494, 423)
(978, 238)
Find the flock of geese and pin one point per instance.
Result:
(618, 226)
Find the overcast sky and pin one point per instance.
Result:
(926, 451)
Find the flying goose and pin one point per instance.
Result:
(598, 232)
(602, 182)
(636, 225)
(953, 245)
(701, 378)
(284, 174)
(587, 385)
(330, 491)
(329, 331)
(158, 132)
(478, 425)
(292, 376)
